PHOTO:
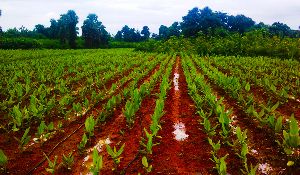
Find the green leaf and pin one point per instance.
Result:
(3, 159)
(121, 150)
(247, 87)
(290, 163)
(145, 161)
(110, 151)
(278, 125)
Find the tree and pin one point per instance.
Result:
(280, 29)
(240, 23)
(126, 33)
(0, 26)
(39, 28)
(204, 20)
(53, 29)
(145, 32)
(174, 29)
(119, 36)
(163, 32)
(94, 32)
(190, 23)
(130, 34)
(67, 28)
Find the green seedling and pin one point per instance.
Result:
(68, 161)
(216, 146)
(250, 170)
(220, 164)
(97, 163)
(115, 154)
(271, 108)
(51, 165)
(243, 153)
(17, 117)
(90, 126)
(242, 136)
(24, 140)
(77, 107)
(291, 137)
(82, 144)
(247, 87)
(149, 145)
(3, 161)
(146, 165)
(275, 124)
(208, 129)
(129, 112)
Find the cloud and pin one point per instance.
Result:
(136, 13)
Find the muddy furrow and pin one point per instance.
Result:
(185, 150)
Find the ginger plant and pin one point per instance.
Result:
(90, 126)
(146, 165)
(24, 140)
(220, 163)
(115, 154)
(3, 161)
(97, 162)
(68, 161)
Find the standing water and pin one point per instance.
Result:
(179, 127)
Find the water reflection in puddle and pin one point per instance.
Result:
(179, 132)
(265, 168)
(88, 160)
(176, 82)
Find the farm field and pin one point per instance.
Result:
(120, 111)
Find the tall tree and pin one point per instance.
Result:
(145, 32)
(39, 28)
(280, 29)
(240, 23)
(0, 26)
(67, 28)
(191, 23)
(174, 29)
(126, 33)
(119, 36)
(163, 32)
(93, 32)
(54, 29)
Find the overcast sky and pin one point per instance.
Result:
(136, 13)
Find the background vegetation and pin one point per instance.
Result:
(201, 31)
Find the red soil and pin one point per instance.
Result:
(181, 157)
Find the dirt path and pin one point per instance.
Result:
(190, 152)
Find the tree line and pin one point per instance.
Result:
(197, 22)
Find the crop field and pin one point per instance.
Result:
(120, 111)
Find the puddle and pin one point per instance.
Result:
(176, 82)
(265, 168)
(179, 132)
(253, 151)
(88, 160)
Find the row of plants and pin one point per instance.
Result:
(133, 95)
(212, 112)
(279, 78)
(263, 114)
(151, 134)
(42, 101)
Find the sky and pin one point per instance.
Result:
(137, 13)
